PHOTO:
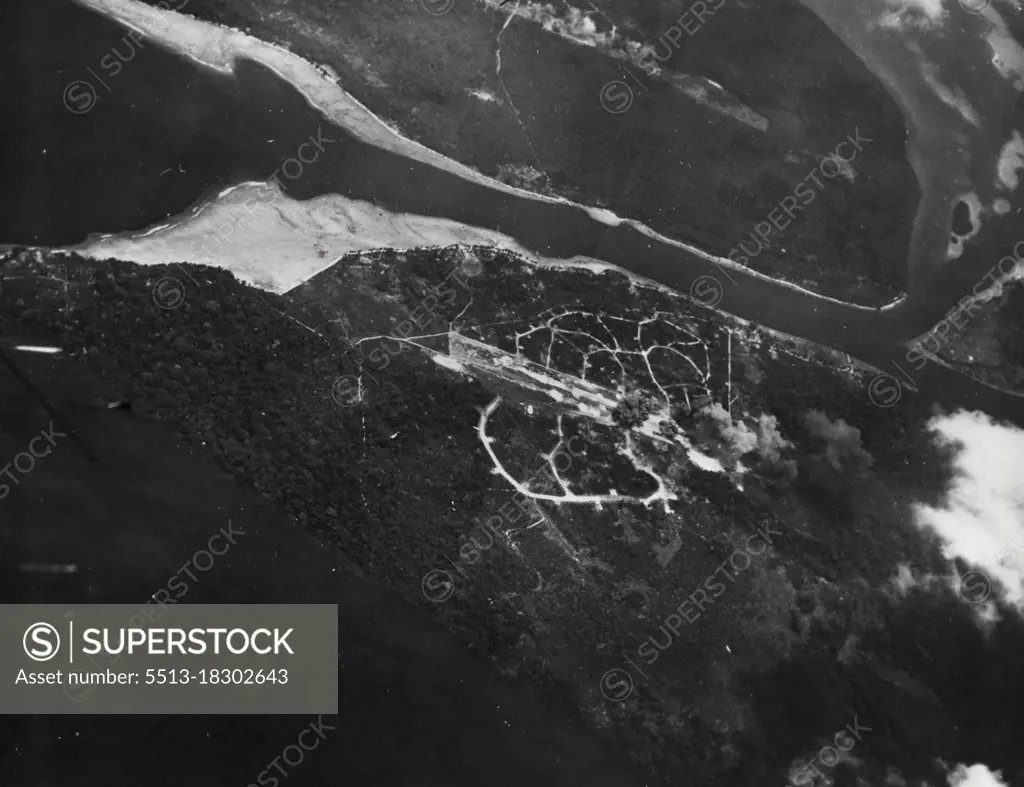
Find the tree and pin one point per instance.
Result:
(633, 409)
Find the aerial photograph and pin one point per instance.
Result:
(626, 392)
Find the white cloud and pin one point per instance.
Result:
(982, 517)
(977, 775)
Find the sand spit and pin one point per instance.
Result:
(273, 242)
(278, 243)
(219, 47)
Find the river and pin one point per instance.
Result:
(165, 133)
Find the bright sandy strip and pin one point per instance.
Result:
(218, 47)
(273, 242)
(291, 241)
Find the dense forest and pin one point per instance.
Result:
(811, 637)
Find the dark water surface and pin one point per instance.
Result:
(163, 133)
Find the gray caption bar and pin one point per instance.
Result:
(191, 659)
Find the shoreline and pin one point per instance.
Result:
(188, 36)
(371, 229)
(287, 241)
(176, 236)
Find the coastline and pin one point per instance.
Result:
(279, 251)
(190, 37)
(185, 35)
(280, 242)
(309, 244)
